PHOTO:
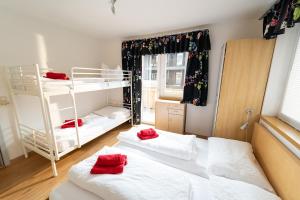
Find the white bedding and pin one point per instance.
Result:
(171, 144)
(94, 126)
(215, 188)
(235, 160)
(202, 189)
(81, 84)
(142, 179)
(196, 166)
(68, 190)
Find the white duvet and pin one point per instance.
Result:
(142, 179)
(226, 189)
(196, 166)
(171, 144)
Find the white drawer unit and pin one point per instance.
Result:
(170, 116)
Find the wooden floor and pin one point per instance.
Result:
(32, 179)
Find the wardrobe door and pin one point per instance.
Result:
(244, 78)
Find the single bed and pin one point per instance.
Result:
(196, 165)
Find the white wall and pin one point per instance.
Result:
(27, 41)
(282, 61)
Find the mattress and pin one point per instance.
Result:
(196, 166)
(94, 126)
(81, 85)
(68, 190)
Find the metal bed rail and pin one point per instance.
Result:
(24, 79)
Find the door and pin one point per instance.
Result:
(149, 87)
(244, 78)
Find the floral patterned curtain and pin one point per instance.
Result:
(283, 14)
(197, 43)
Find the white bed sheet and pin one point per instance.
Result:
(94, 126)
(81, 85)
(68, 190)
(197, 166)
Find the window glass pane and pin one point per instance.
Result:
(171, 60)
(150, 70)
(291, 102)
(180, 59)
(174, 79)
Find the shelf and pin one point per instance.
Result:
(284, 129)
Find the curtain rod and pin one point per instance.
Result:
(162, 34)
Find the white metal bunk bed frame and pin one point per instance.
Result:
(27, 80)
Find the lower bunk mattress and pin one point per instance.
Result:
(95, 124)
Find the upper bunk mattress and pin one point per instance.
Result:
(80, 85)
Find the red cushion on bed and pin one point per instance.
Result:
(55, 75)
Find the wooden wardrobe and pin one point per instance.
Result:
(243, 82)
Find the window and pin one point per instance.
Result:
(173, 75)
(163, 77)
(290, 110)
(167, 71)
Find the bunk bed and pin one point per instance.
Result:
(51, 141)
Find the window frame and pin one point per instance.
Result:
(294, 123)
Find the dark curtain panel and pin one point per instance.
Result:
(132, 60)
(197, 43)
(280, 16)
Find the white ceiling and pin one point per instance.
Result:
(136, 17)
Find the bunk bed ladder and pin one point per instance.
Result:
(47, 121)
(72, 92)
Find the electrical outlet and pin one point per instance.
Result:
(3, 101)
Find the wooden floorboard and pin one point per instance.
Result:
(32, 179)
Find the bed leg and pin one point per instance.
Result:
(24, 151)
(54, 170)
